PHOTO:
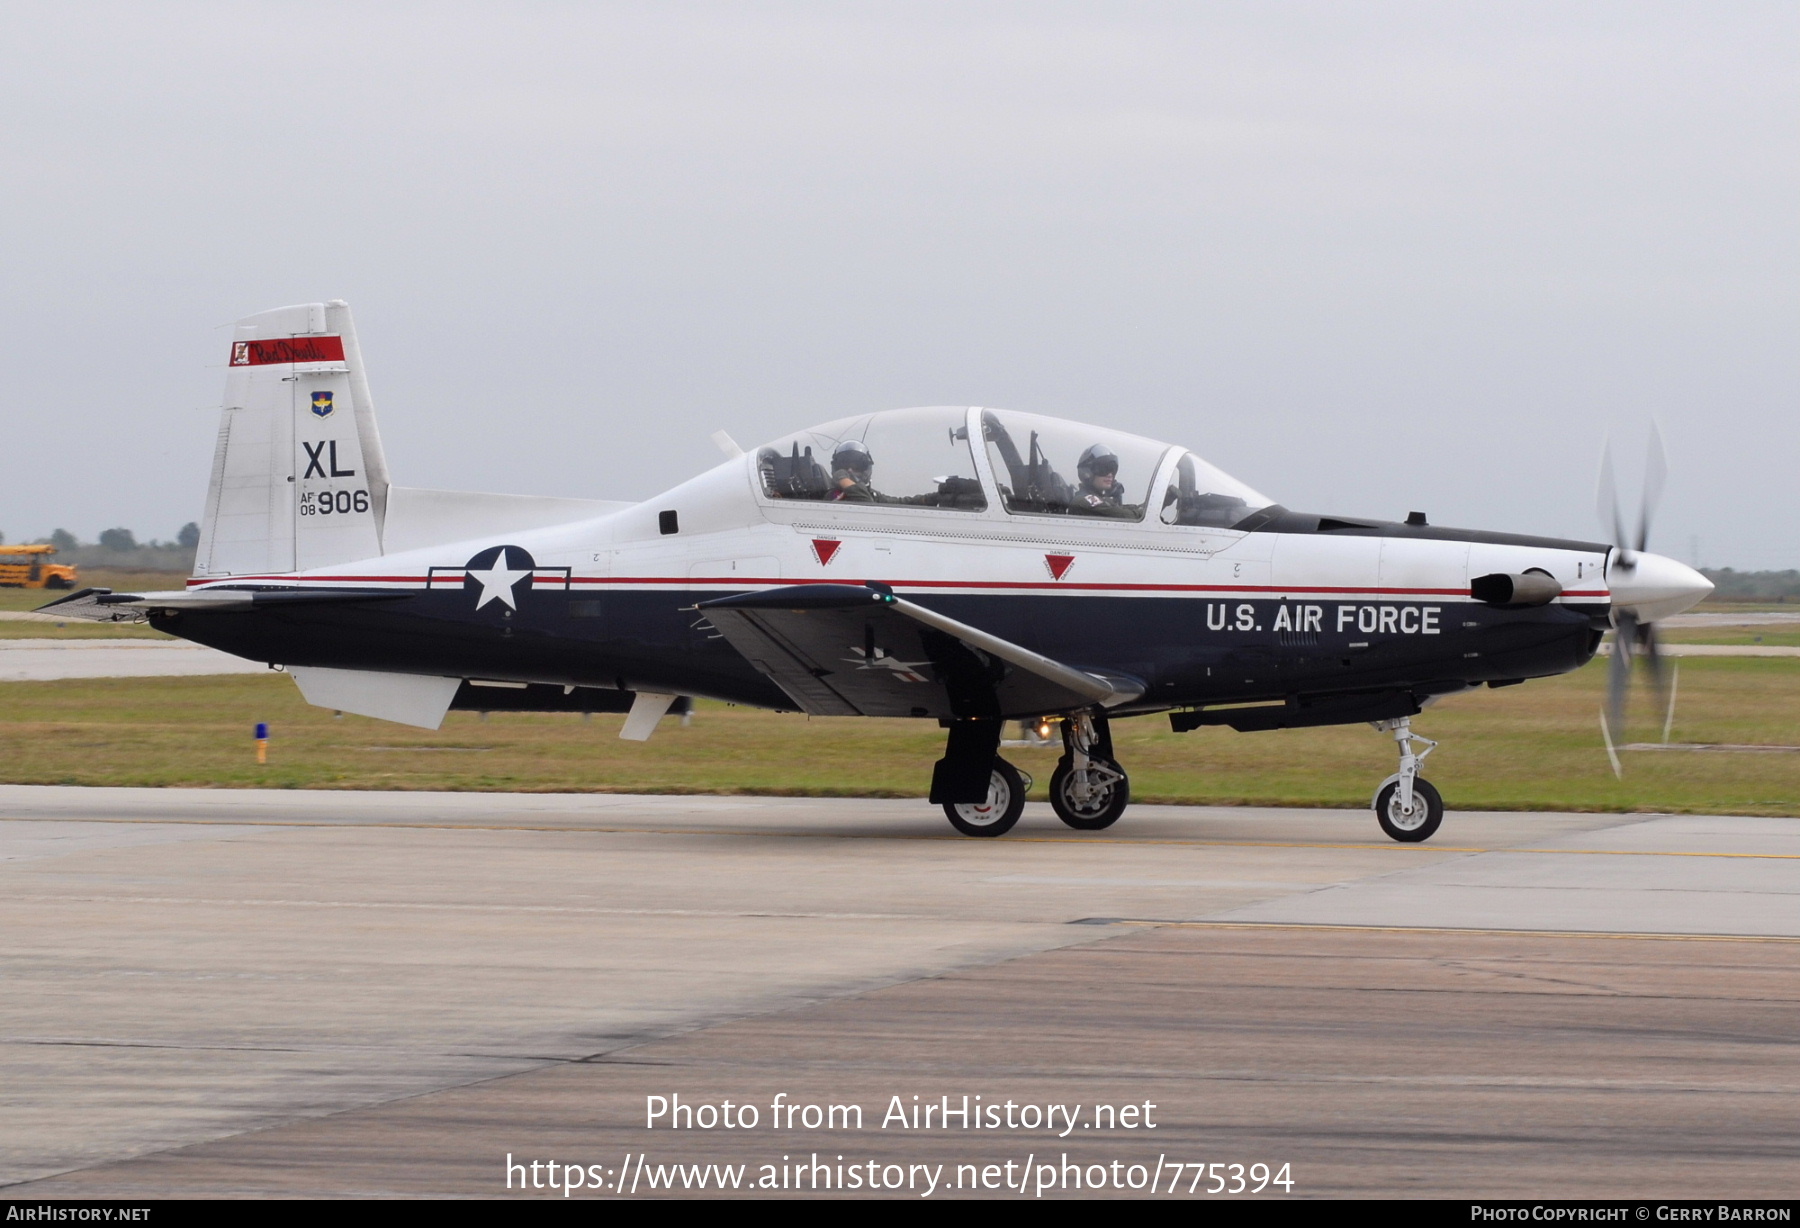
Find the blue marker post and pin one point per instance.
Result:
(262, 742)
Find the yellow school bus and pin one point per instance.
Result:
(29, 567)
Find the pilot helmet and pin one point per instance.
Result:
(1098, 460)
(852, 457)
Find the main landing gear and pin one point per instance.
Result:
(1408, 808)
(996, 814)
(1088, 790)
(983, 795)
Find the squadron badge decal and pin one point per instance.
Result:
(322, 405)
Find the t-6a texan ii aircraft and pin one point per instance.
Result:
(958, 564)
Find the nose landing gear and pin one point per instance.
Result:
(1088, 790)
(1406, 805)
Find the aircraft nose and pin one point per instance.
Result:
(1654, 587)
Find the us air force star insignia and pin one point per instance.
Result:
(498, 581)
(906, 671)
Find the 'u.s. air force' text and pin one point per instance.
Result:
(1292, 616)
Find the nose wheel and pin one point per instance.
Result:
(1409, 824)
(1407, 805)
(1088, 789)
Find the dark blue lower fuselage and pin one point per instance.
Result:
(1188, 651)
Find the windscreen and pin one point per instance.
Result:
(1202, 496)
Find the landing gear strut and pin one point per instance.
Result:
(1088, 790)
(1408, 808)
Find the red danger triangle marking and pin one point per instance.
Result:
(1059, 564)
(824, 547)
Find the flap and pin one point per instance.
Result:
(842, 650)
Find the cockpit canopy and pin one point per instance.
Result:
(1037, 466)
(918, 457)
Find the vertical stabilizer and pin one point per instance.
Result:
(298, 479)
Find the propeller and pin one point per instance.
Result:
(1634, 636)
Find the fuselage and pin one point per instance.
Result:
(1276, 605)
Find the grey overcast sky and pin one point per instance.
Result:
(1368, 256)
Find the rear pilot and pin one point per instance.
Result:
(1099, 493)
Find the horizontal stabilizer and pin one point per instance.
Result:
(104, 605)
(843, 650)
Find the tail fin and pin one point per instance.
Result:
(298, 479)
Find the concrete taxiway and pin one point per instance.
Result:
(218, 992)
(40, 660)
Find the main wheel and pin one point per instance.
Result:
(1105, 800)
(996, 816)
(1410, 826)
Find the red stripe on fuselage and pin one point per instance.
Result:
(741, 582)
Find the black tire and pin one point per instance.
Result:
(996, 816)
(1103, 806)
(1428, 812)
(56, 582)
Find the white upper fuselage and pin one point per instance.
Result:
(732, 536)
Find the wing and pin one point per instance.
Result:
(841, 650)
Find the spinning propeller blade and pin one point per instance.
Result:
(1647, 648)
(1606, 501)
(1644, 586)
(1618, 670)
(1656, 472)
(1611, 754)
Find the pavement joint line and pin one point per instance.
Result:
(1653, 853)
(1326, 927)
(947, 838)
(379, 1050)
(462, 907)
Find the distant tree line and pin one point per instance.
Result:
(1729, 585)
(120, 548)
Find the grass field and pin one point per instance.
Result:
(1534, 747)
(1784, 635)
(118, 581)
(25, 599)
(16, 630)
